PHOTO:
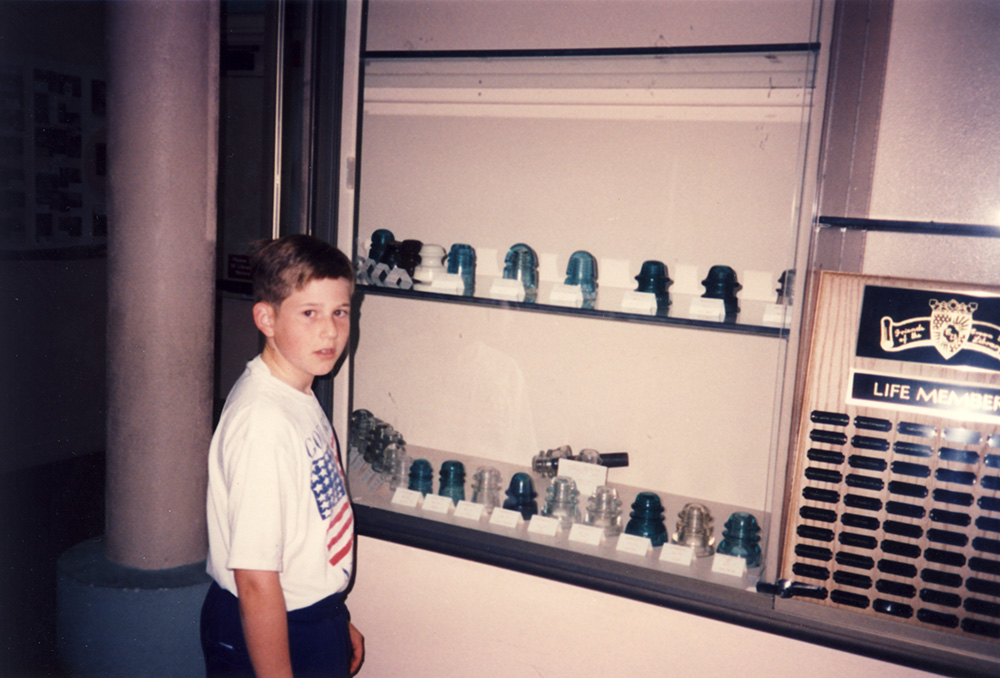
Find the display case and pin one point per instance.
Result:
(691, 159)
(683, 177)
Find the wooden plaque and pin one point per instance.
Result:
(894, 499)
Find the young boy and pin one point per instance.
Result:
(280, 524)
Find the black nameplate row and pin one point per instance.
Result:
(901, 518)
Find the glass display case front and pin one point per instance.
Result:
(574, 258)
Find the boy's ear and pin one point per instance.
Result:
(263, 317)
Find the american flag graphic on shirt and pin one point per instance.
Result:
(331, 498)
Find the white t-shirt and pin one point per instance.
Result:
(276, 494)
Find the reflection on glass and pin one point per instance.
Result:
(451, 481)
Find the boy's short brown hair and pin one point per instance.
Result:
(280, 267)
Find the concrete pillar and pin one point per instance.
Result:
(163, 94)
(128, 604)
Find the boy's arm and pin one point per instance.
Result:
(265, 622)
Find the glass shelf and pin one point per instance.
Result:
(592, 52)
(749, 320)
(370, 489)
(743, 67)
(916, 227)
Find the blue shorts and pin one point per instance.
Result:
(318, 638)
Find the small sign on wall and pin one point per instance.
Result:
(238, 266)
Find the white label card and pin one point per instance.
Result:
(734, 566)
(643, 303)
(587, 476)
(709, 309)
(405, 497)
(469, 510)
(437, 504)
(507, 290)
(505, 517)
(630, 543)
(586, 534)
(543, 525)
(677, 554)
(448, 283)
(566, 295)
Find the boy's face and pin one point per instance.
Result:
(308, 332)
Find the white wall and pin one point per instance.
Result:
(425, 615)
(939, 143)
(938, 149)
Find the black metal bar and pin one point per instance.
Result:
(917, 227)
(773, 48)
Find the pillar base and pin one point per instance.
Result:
(114, 620)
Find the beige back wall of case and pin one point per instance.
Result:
(693, 408)
(553, 24)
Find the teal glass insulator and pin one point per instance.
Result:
(521, 496)
(521, 263)
(786, 285)
(653, 279)
(721, 283)
(451, 481)
(582, 270)
(646, 518)
(380, 238)
(462, 260)
(741, 538)
(421, 477)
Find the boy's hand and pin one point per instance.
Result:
(358, 647)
